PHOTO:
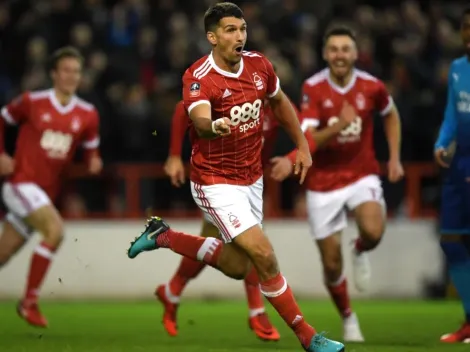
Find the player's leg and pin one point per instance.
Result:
(368, 205)
(273, 284)
(33, 206)
(457, 251)
(327, 218)
(455, 243)
(13, 238)
(259, 321)
(170, 293)
(231, 211)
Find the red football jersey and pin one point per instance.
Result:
(180, 123)
(351, 154)
(49, 135)
(235, 159)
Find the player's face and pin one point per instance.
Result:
(229, 38)
(340, 53)
(67, 75)
(465, 33)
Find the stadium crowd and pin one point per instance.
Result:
(137, 50)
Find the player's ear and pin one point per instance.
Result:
(211, 37)
(52, 74)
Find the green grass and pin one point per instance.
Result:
(221, 326)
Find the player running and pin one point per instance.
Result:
(53, 123)
(226, 170)
(170, 293)
(455, 203)
(345, 172)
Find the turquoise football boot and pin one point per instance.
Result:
(321, 344)
(147, 240)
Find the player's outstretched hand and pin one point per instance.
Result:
(174, 168)
(348, 113)
(281, 168)
(95, 165)
(7, 164)
(395, 171)
(303, 162)
(441, 156)
(221, 126)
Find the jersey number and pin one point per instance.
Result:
(354, 129)
(57, 144)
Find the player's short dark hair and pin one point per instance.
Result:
(65, 52)
(218, 11)
(339, 31)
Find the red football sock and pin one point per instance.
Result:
(206, 250)
(281, 297)
(187, 271)
(40, 261)
(253, 293)
(340, 296)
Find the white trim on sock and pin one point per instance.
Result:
(170, 296)
(256, 312)
(278, 292)
(208, 247)
(44, 252)
(337, 282)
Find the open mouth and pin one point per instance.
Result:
(239, 49)
(339, 64)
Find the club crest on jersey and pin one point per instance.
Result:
(194, 89)
(46, 117)
(305, 101)
(360, 101)
(258, 81)
(75, 125)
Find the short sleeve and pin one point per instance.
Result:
(383, 99)
(91, 136)
(195, 92)
(308, 109)
(274, 83)
(17, 111)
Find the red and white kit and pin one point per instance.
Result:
(49, 135)
(227, 173)
(345, 171)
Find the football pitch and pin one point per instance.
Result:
(408, 326)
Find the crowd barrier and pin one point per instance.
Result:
(92, 264)
(132, 174)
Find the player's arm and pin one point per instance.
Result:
(392, 126)
(91, 143)
(174, 167)
(197, 101)
(16, 112)
(179, 125)
(448, 128)
(286, 116)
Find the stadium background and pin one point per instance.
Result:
(136, 52)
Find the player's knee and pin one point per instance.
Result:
(54, 232)
(263, 257)
(372, 233)
(332, 267)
